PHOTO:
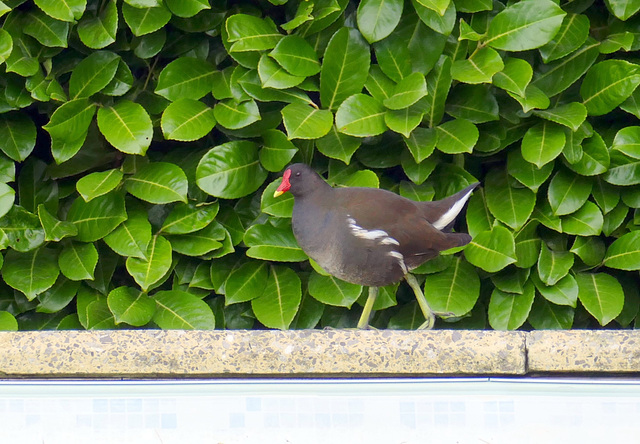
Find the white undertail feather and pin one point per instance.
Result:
(452, 212)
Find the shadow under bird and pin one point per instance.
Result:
(370, 236)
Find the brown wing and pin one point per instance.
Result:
(403, 220)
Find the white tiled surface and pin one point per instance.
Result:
(477, 411)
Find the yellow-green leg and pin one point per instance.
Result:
(368, 306)
(422, 302)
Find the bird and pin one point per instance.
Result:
(370, 236)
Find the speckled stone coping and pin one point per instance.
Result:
(317, 353)
(314, 353)
(604, 351)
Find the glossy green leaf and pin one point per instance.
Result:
(361, 115)
(571, 35)
(608, 84)
(595, 157)
(18, 134)
(438, 84)
(545, 315)
(439, 6)
(58, 296)
(478, 216)
(407, 92)
(67, 10)
(131, 306)
(508, 311)
(542, 143)
(143, 21)
(587, 221)
(7, 197)
(510, 205)
(279, 303)
(159, 183)
(230, 170)
(332, 291)
(277, 151)
(601, 294)
(199, 242)
(272, 75)
(568, 192)
(305, 122)
(623, 171)
(281, 206)
(150, 269)
(77, 261)
(553, 265)
(624, 252)
(455, 290)
(623, 9)
(571, 115)
(479, 68)
(46, 30)
(249, 33)
(557, 76)
(186, 120)
(185, 78)
(421, 143)
(132, 237)
(525, 25)
(527, 173)
(93, 73)
(32, 272)
(296, 56)
(246, 282)
(403, 121)
(71, 120)
(8, 322)
(235, 115)
(378, 18)
(589, 249)
(54, 229)
(563, 292)
(492, 250)
(187, 8)
(21, 230)
(344, 68)
(457, 136)
(187, 218)
(99, 31)
(475, 103)
(97, 218)
(627, 141)
(179, 310)
(267, 242)
(514, 77)
(441, 23)
(127, 126)
(98, 184)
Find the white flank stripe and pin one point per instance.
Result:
(400, 258)
(379, 235)
(452, 212)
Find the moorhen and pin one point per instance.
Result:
(370, 236)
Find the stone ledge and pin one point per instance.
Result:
(580, 351)
(314, 353)
(321, 353)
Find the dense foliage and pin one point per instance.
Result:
(142, 141)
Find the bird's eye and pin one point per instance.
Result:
(298, 173)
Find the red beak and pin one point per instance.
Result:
(285, 185)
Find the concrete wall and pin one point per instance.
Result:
(314, 353)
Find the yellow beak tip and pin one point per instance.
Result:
(278, 193)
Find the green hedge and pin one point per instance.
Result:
(142, 141)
